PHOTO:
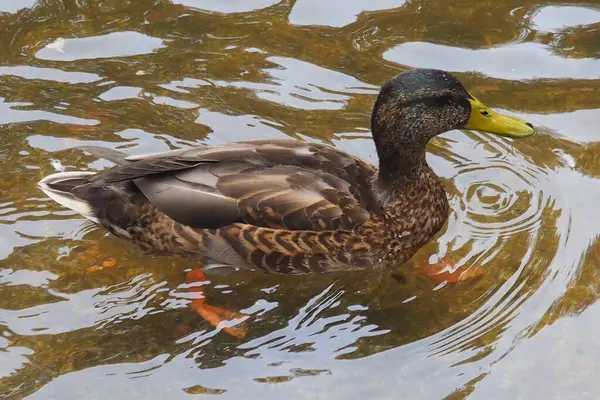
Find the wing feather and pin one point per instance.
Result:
(281, 184)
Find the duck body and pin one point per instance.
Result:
(289, 206)
(279, 205)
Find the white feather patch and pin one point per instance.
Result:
(67, 199)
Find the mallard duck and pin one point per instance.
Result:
(289, 206)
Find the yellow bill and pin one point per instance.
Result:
(487, 120)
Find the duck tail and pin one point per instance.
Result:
(59, 187)
(114, 156)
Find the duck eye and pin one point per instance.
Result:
(485, 113)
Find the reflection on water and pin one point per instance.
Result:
(15, 5)
(335, 13)
(130, 44)
(517, 61)
(153, 75)
(232, 6)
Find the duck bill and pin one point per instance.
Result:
(485, 119)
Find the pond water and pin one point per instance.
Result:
(86, 315)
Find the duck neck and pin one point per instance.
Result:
(411, 195)
(401, 134)
(404, 176)
(400, 166)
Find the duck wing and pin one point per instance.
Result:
(282, 184)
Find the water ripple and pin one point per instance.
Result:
(516, 61)
(139, 78)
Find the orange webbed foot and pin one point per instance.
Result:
(446, 272)
(92, 255)
(216, 316)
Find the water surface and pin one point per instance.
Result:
(148, 75)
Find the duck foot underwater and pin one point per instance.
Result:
(229, 321)
(287, 206)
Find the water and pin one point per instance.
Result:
(152, 75)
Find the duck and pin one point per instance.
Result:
(289, 206)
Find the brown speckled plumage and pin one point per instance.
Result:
(287, 206)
